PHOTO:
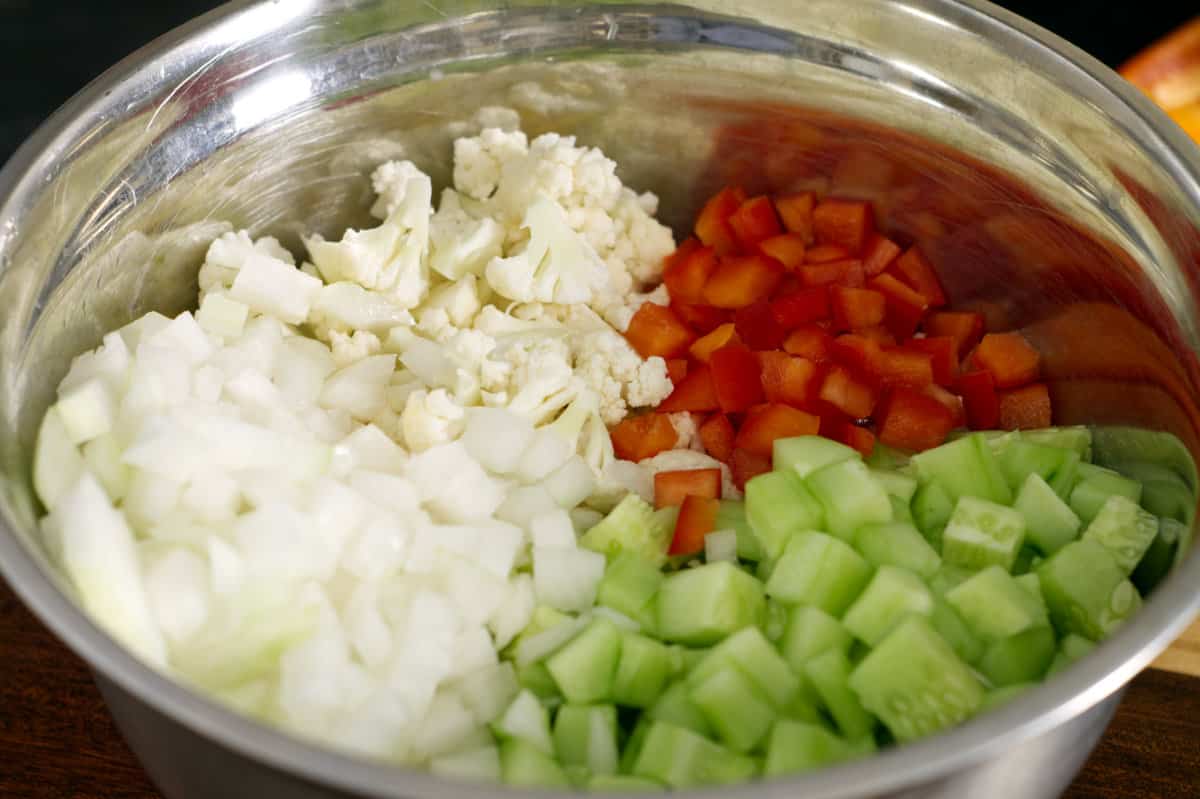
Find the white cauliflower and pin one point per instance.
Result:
(462, 242)
(478, 160)
(431, 418)
(460, 301)
(229, 252)
(347, 307)
(350, 347)
(613, 369)
(687, 432)
(619, 312)
(532, 376)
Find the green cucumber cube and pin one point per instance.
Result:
(1076, 438)
(796, 746)
(965, 467)
(633, 745)
(750, 652)
(994, 605)
(525, 766)
(1050, 524)
(1086, 591)
(526, 719)
(776, 619)
(632, 526)
(850, 497)
(735, 707)
(586, 735)
(642, 670)
(819, 570)
(1020, 658)
(829, 674)
(951, 627)
(1160, 556)
(932, 508)
(806, 705)
(1003, 695)
(809, 632)
(1025, 557)
(915, 683)
(777, 505)
(947, 577)
(535, 678)
(982, 533)
(805, 454)
(884, 457)
(1164, 491)
(892, 594)
(1124, 529)
(675, 706)
(897, 484)
(622, 783)
(585, 667)
(702, 605)
(1033, 585)
(680, 758)
(1096, 484)
(629, 586)
(1021, 458)
(901, 510)
(731, 515)
(1070, 649)
(897, 544)
(1063, 481)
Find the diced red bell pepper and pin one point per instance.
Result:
(686, 273)
(978, 390)
(914, 269)
(943, 352)
(856, 308)
(739, 281)
(760, 428)
(900, 366)
(911, 420)
(857, 437)
(905, 306)
(757, 327)
(736, 378)
(801, 307)
(1010, 358)
(846, 223)
(788, 379)
(639, 437)
(953, 402)
(677, 369)
(1025, 408)
(811, 342)
(701, 318)
(796, 211)
(879, 254)
(656, 330)
(848, 393)
(686, 248)
(671, 488)
(858, 352)
(695, 392)
(877, 333)
(753, 221)
(824, 253)
(717, 435)
(703, 347)
(965, 327)
(745, 465)
(845, 273)
(787, 248)
(712, 224)
(697, 518)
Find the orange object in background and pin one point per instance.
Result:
(1169, 72)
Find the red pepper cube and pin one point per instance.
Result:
(739, 281)
(788, 379)
(757, 327)
(913, 421)
(796, 212)
(899, 366)
(848, 393)
(879, 254)
(695, 392)
(943, 352)
(761, 427)
(686, 273)
(697, 518)
(856, 437)
(677, 369)
(671, 488)
(914, 269)
(1010, 358)
(753, 221)
(736, 378)
(1025, 408)
(639, 437)
(858, 352)
(965, 327)
(787, 248)
(703, 347)
(744, 465)
(877, 333)
(844, 273)
(809, 341)
(980, 401)
(801, 307)
(905, 306)
(846, 223)
(712, 223)
(701, 318)
(717, 435)
(824, 253)
(656, 330)
(856, 308)
(953, 402)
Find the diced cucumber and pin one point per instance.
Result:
(1160, 556)
(631, 526)
(535, 678)
(966, 467)
(897, 484)
(892, 594)
(1113, 446)
(1003, 695)
(947, 577)
(586, 736)
(931, 510)
(901, 510)
(633, 745)
(1023, 657)
(734, 706)
(585, 667)
(675, 706)
(682, 759)
(526, 766)
(1124, 529)
(897, 544)
(819, 570)
(1086, 591)
(1021, 458)
(526, 720)
(1064, 480)
(1050, 524)
(951, 627)
(796, 746)
(1025, 558)
(829, 674)
(915, 683)
(805, 454)
(1164, 491)
(731, 515)
(1076, 438)
(982, 533)
(1070, 649)
(884, 457)
(850, 497)
(777, 505)
(750, 652)
(1033, 585)
(805, 706)
(629, 586)
(994, 605)
(622, 783)
(809, 632)
(1095, 486)
(642, 670)
(776, 619)
(702, 605)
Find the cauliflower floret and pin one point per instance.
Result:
(229, 252)
(347, 307)
(649, 240)
(685, 459)
(431, 418)
(460, 300)
(348, 348)
(461, 242)
(531, 376)
(687, 432)
(614, 370)
(478, 160)
(619, 310)
(390, 258)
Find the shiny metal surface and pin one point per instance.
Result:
(1053, 197)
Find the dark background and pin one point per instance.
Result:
(49, 49)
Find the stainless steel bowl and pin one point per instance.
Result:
(1054, 198)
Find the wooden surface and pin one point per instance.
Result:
(57, 742)
(1183, 656)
